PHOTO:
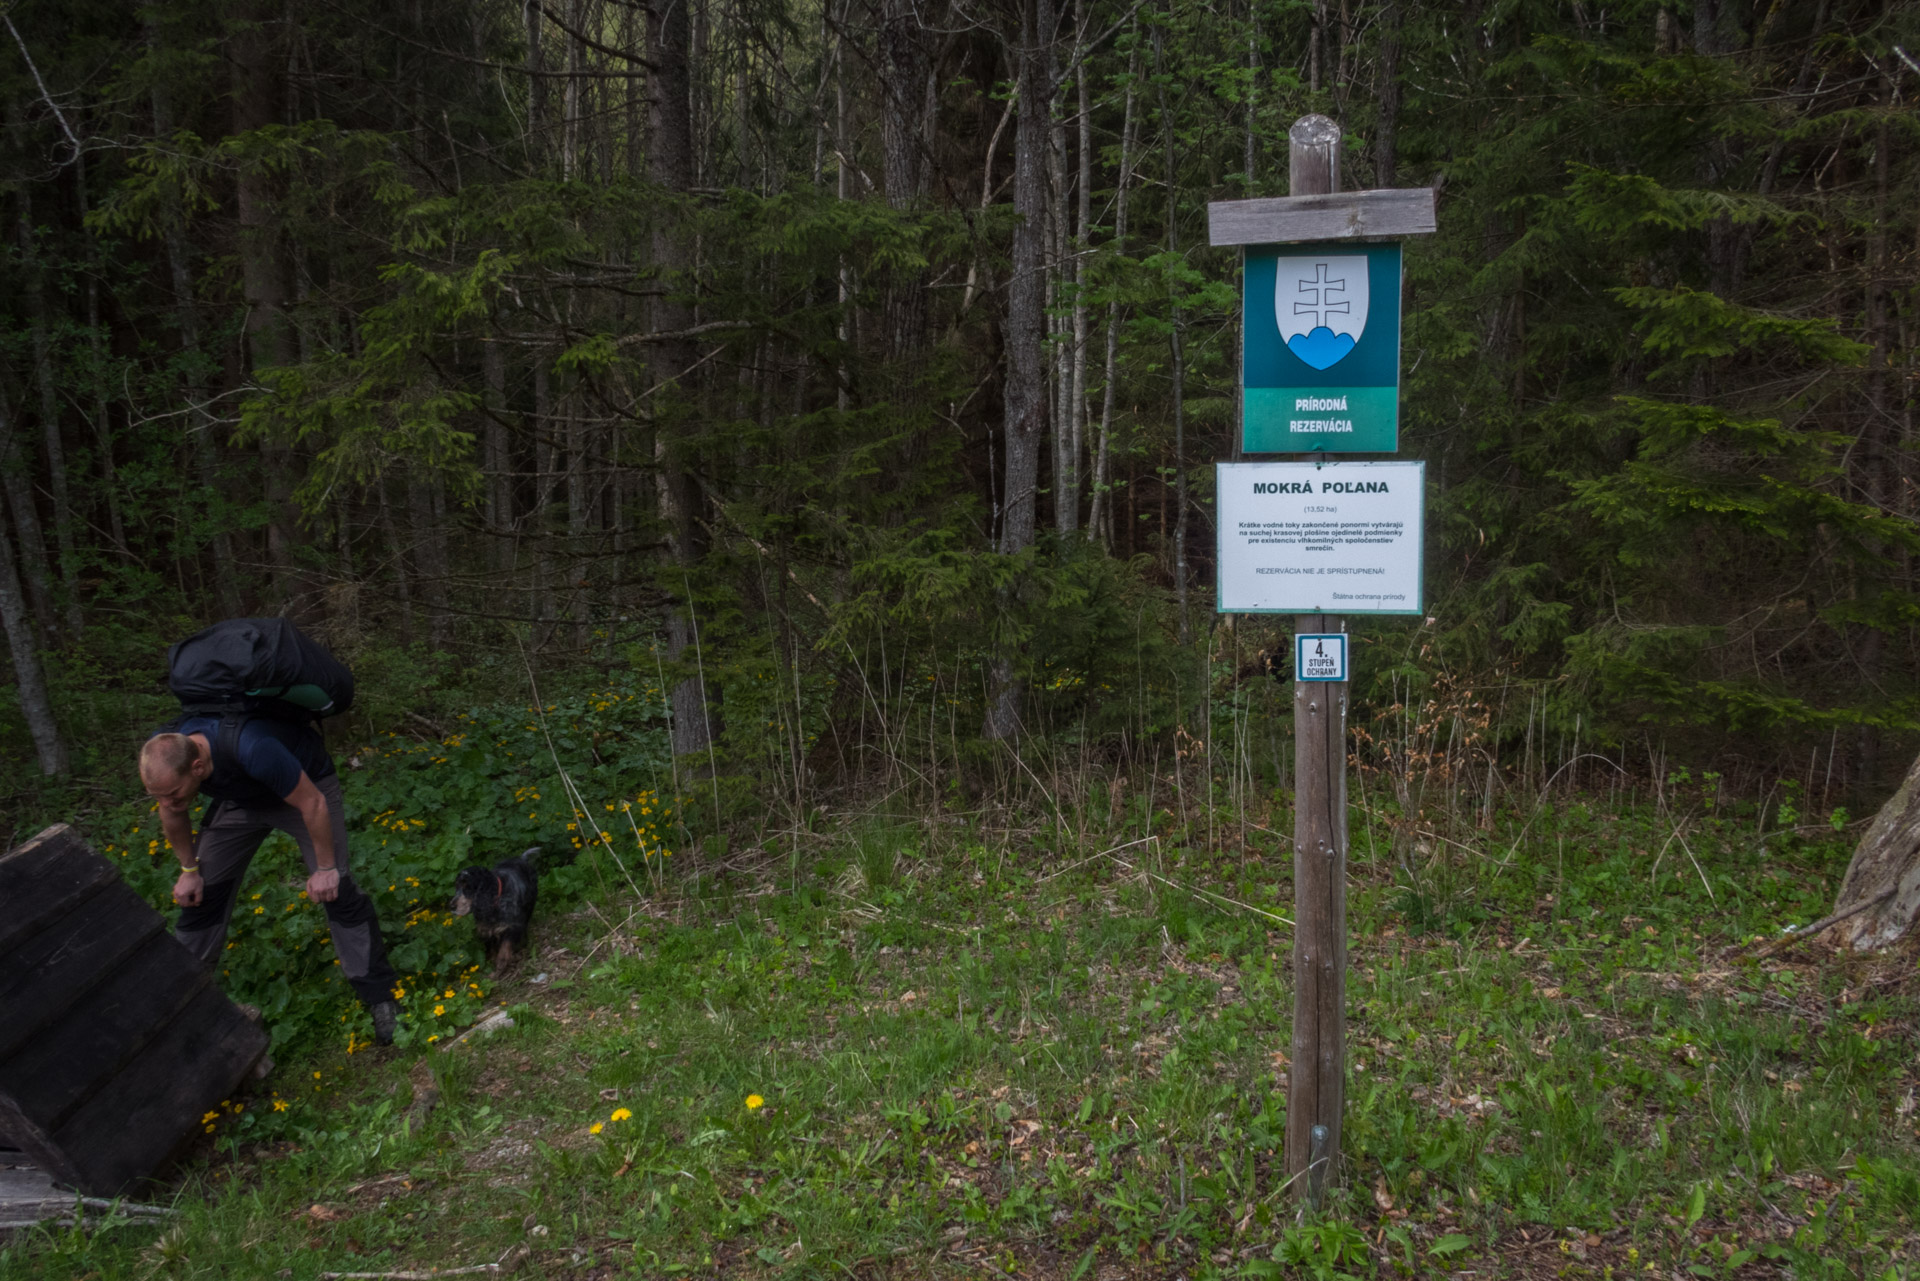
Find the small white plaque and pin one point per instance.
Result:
(1319, 656)
(1302, 538)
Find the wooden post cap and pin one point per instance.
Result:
(1314, 130)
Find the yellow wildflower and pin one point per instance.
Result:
(621, 1114)
(755, 1103)
(595, 1128)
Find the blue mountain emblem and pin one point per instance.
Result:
(1322, 348)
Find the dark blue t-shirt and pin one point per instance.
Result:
(272, 754)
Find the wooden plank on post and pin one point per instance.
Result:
(1391, 213)
(1317, 1077)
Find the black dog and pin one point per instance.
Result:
(500, 899)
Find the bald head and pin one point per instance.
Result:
(166, 762)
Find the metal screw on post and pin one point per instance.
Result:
(1317, 1078)
(1317, 1178)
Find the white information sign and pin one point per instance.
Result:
(1319, 656)
(1337, 538)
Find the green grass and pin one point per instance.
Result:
(994, 1051)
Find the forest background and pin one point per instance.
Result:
(855, 370)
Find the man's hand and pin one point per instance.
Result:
(186, 890)
(323, 886)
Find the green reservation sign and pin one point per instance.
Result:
(1320, 362)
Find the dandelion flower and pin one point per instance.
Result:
(755, 1103)
(595, 1128)
(621, 1114)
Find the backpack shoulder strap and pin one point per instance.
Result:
(226, 740)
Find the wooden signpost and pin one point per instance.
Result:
(1306, 398)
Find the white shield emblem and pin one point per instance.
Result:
(1321, 304)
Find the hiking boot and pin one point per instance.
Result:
(386, 1017)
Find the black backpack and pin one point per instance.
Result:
(258, 665)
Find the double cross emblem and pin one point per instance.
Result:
(1318, 301)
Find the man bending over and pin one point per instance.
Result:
(263, 775)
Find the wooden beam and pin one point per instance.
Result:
(1317, 1077)
(114, 1042)
(1349, 215)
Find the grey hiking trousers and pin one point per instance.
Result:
(227, 846)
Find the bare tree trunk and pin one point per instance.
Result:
(498, 455)
(537, 111)
(40, 323)
(1069, 483)
(97, 375)
(202, 448)
(1316, 45)
(256, 52)
(426, 505)
(1386, 151)
(842, 188)
(1881, 889)
(29, 677)
(570, 111)
(1880, 444)
(1024, 396)
(1179, 363)
(545, 472)
(633, 104)
(902, 126)
(18, 483)
(1248, 142)
(670, 165)
(1059, 235)
(986, 200)
(904, 73)
(1100, 519)
(398, 552)
(580, 501)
